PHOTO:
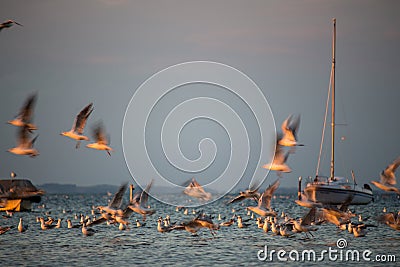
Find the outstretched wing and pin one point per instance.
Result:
(117, 199)
(387, 175)
(236, 199)
(99, 134)
(294, 126)
(27, 109)
(81, 118)
(145, 194)
(265, 199)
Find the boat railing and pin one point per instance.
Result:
(339, 181)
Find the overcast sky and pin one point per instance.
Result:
(76, 52)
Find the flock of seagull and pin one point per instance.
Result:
(268, 220)
(26, 127)
(262, 216)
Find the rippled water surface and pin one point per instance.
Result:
(230, 247)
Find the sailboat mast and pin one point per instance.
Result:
(333, 100)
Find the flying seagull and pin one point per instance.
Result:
(388, 177)
(25, 145)
(278, 164)
(289, 129)
(264, 203)
(24, 118)
(195, 224)
(248, 193)
(101, 140)
(76, 131)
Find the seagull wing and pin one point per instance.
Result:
(27, 109)
(253, 188)
(345, 206)
(285, 124)
(81, 118)
(17, 23)
(236, 199)
(99, 134)
(396, 164)
(387, 175)
(280, 156)
(387, 218)
(265, 199)
(33, 141)
(145, 194)
(294, 126)
(136, 198)
(97, 221)
(309, 217)
(117, 199)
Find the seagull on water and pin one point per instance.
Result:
(8, 24)
(87, 231)
(122, 226)
(70, 225)
(138, 224)
(264, 203)
(265, 226)
(101, 139)
(25, 145)
(163, 228)
(21, 226)
(359, 230)
(24, 117)
(76, 131)
(45, 226)
(240, 222)
(228, 223)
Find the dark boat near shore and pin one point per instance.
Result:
(18, 195)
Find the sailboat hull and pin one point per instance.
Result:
(336, 195)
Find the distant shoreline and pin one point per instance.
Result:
(56, 188)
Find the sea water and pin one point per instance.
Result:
(231, 246)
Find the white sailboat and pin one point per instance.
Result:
(335, 190)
